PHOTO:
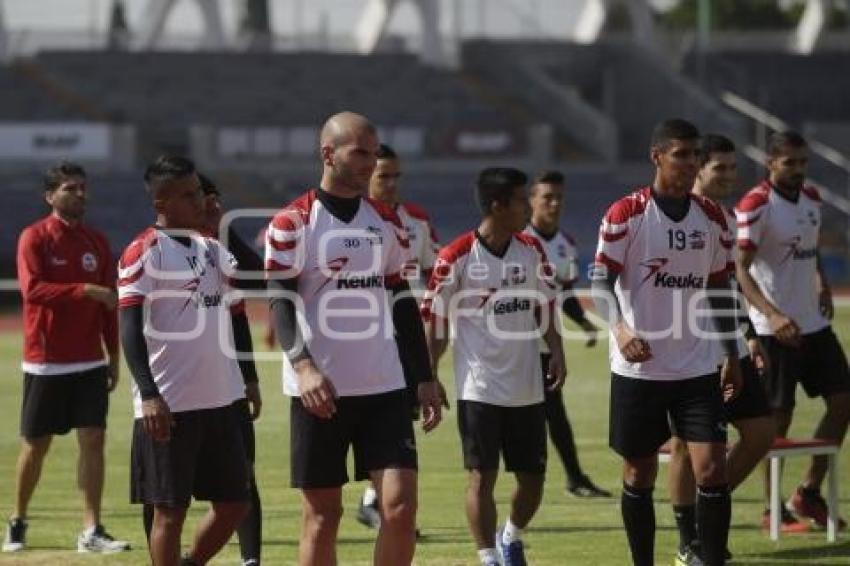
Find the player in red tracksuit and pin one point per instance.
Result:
(67, 277)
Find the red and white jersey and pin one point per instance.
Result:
(731, 222)
(664, 267)
(785, 235)
(188, 329)
(424, 245)
(343, 270)
(64, 331)
(492, 303)
(562, 253)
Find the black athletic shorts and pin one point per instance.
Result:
(752, 402)
(246, 426)
(518, 434)
(377, 427)
(819, 365)
(54, 404)
(204, 459)
(643, 412)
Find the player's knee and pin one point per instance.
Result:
(399, 514)
(679, 449)
(91, 439)
(640, 472)
(36, 448)
(232, 511)
(481, 482)
(711, 472)
(322, 519)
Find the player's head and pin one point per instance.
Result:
(718, 170)
(65, 190)
(173, 185)
(787, 159)
(546, 198)
(502, 197)
(383, 185)
(212, 203)
(674, 149)
(349, 144)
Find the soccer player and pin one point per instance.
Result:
(336, 258)
(496, 288)
(791, 304)
(67, 279)
(660, 249)
(177, 314)
(384, 188)
(547, 199)
(250, 405)
(750, 412)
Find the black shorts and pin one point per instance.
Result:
(644, 413)
(752, 402)
(819, 365)
(377, 427)
(54, 404)
(204, 459)
(246, 426)
(518, 434)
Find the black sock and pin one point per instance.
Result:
(639, 520)
(250, 532)
(714, 510)
(686, 522)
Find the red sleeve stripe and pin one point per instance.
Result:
(747, 244)
(282, 246)
(272, 265)
(748, 221)
(283, 234)
(753, 200)
(614, 266)
(124, 281)
(613, 237)
(392, 280)
(131, 301)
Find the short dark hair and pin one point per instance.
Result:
(778, 141)
(497, 184)
(674, 129)
(714, 143)
(167, 168)
(56, 174)
(207, 185)
(386, 152)
(550, 176)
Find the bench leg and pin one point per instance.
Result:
(775, 496)
(832, 499)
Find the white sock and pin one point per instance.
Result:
(488, 556)
(370, 496)
(511, 533)
(89, 531)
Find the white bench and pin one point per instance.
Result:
(782, 448)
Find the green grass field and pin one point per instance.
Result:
(566, 531)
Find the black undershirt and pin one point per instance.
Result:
(675, 208)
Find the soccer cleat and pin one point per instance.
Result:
(788, 523)
(586, 488)
(688, 556)
(100, 541)
(251, 562)
(16, 534)
(369, 516)
(512, 554)
(811, 505)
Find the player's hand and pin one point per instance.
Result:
(112, 373)
(431, 403)
(827, 308)
(785, 329)
(556, 373)
(634, 349)
(317, 392)
(731, 381)
(157, 419)
(255, 400)
(591, 332)
(104, 295)
(757, 355)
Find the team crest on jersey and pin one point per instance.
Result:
(89, 261)
(697, 239)
(813, 218)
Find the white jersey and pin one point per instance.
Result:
(785, 235)
(188, 330)
(562, 253)
(343, 270)
(491, 303)
(731, 222)
(664, 267)
(424, 245)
